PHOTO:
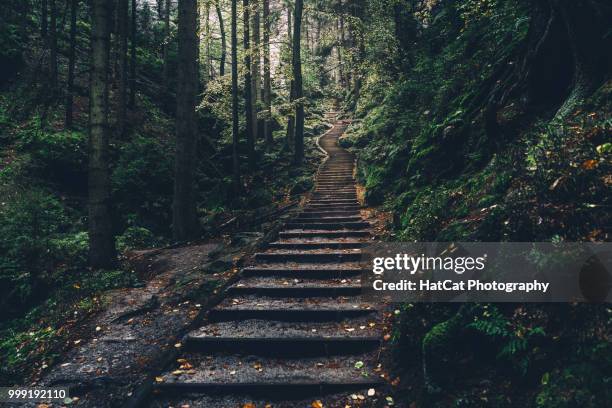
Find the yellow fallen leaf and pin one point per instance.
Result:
(159, 379)
(316, 404)
(249, 405)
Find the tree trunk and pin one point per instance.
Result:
(101, 241)
(297, 78)
(53, 61)
(267, 92)
(132, 102)
(205, 30)
(44, 19)
(291, 118)
(223, 41)
(74, 4)
(122, 17)
(256, 69)
(248, 97)
(166, 46)
(184, 218)
(235, 124)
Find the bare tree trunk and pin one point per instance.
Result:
(223, 41)
(184, 220)
(267, 96)
(166, 46)
(256, 69)
(248, 97)
(289, 137)
(343, 80)
(205, 31)
(53, 61)
(74, 7)
(235, 129)
(44, 19)
(297, 78)
(101, 241)
(122, 17)
(132, 102)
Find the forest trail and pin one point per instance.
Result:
(292, 331)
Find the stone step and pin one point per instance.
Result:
(331, 207)
(355, 225)
(281, 377)
(301, 233)
(290, 309)
(317, 244)
(353, 218)
(305, 271)
(328, 213)
(289, 339)
(310, 256)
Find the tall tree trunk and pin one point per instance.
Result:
(235, 124)
(44, 19)
(166, 46)
(101, 241)
(53, 61)
(297, 78)
(74, 7)
(267, 96)
(184, 218)
(289, 137)
(223, 41)
(205, 36)
(248, 97)
(134, 28)
(256, 69)
(122, 17)
(343, 80)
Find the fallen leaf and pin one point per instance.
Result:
(371, 392)
(589, 164)
(249, 405)
(359, 364)
(387, 337)
(159, 379)
(316, 404)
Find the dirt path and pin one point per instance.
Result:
(292, 332)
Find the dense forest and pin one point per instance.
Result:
(132, 124)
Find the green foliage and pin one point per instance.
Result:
(514, 339)
(29, 219)
(585, 384)
(302, 185)
(136, 238)
(142, 183)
